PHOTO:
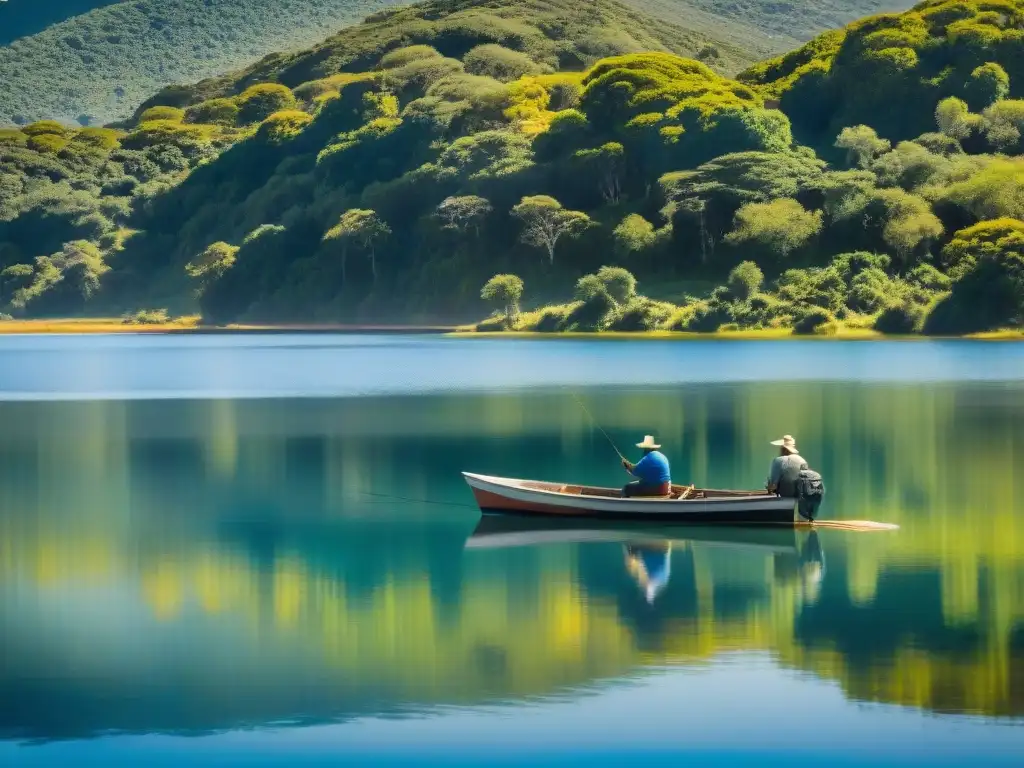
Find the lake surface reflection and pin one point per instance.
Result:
(196, 567)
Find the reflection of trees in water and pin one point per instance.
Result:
(169, 498)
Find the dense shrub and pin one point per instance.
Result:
(258, 102)
(214, 111)
(812, 321)
(900, 319)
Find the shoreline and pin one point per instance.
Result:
(191, 325)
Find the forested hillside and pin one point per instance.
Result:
(782, 22)
(99, 66)
(389, 173)
(19, 18)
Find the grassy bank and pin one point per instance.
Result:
(192, 324)
(760, 334)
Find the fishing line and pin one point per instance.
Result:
(594, 422)
(393, 497)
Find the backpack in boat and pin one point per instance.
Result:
(810, 490)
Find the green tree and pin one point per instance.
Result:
(634, 234)
(506, 291)
(909, 222)
(545, 222)
(210, 265)
(780, 226)
(1004, 124)
(13, 279)
(605, 165)
(618, 282)
(365, 229)
(985, 239)
(988, 84)
(745, 280)
(955, 118)
(499, 62)
(461, 213)
(258, 102)
(862, 145)
(994, 190)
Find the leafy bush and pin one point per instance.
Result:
(284, 126)
(745, 280)
(812, 322)
(900, 319)
(491, 325)
(146, 317)
(258, 102)
(171, 114)
(592, 312)
(213, 112)
(500, 63)
(45, 128)
(640, 314)
(706, 318)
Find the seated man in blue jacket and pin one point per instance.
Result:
(652, 470)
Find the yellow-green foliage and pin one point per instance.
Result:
(408, 54)
(500, 63)
(165, 114)
(106, 139)
(986, 238)
(258, 102)
(316, 90)
(158, 132)
(565, 88)
(12, 136)
(775, 76)
(992, 191)
(528, 102)
(638, 83)
(911, 59)
(213, 112)
(45, 128)
(47, 143)
(284, 126)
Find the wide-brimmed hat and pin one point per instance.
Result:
(787, 442)
(648, 443)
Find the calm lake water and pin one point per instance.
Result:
(258, 550)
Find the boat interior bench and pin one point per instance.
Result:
(680, 492)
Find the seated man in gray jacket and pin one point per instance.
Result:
(785, 468)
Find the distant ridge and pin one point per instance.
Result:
(94, 61)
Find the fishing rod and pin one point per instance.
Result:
(599, 427)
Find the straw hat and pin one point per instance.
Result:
(788, 443)
(648, 443)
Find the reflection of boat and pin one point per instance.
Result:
(501, 532)
(510, 496)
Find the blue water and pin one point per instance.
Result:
(258, 550)
(288, 365)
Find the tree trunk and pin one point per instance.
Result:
(703, 239)
(373, 264)
(344, 258)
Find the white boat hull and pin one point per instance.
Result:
(501, 495)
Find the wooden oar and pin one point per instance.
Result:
(849, 525)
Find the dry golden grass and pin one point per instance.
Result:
(95, 325)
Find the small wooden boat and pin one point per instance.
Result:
(685, 504)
